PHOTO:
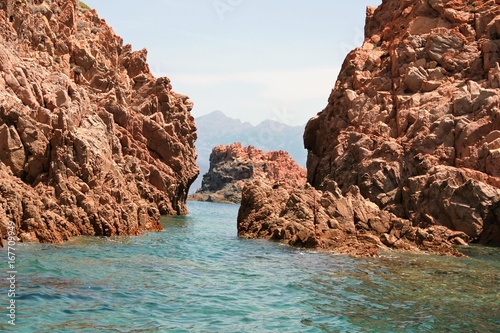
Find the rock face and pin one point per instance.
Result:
(329, 219)
(233, 166)
(90, 142)
(413, 123)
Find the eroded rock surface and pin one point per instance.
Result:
(90, 142)
(232, 166)
(329, 219)
(414, 118)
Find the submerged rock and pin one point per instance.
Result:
(232, 166)
(413, 122)
(91, 142)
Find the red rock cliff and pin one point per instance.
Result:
(91, 143)
(413, 121)
(414, 118)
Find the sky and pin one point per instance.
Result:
(251, 59)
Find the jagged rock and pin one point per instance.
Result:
(441, 112)
(349, 224)
(414, 115)
(232, 166)
(12, 149)
(90, 142)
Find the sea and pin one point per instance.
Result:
(198, 276)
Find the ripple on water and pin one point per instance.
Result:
(197, 276)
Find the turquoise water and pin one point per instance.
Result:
(197, 276)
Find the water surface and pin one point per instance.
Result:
(197, 276)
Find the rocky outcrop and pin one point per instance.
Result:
(90, 142)
(216, 129)
(346, 223)
(232, 166)
(414, 119)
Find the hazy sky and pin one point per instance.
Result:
(251, 59)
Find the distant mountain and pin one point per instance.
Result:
(216, 129)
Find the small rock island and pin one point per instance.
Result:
(233, 166)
